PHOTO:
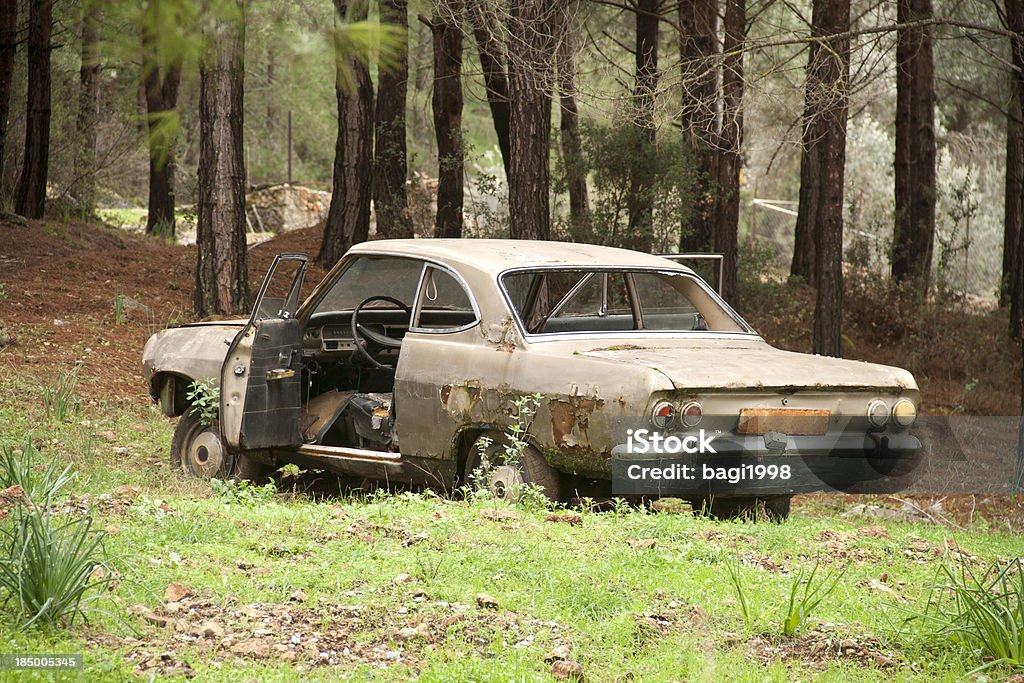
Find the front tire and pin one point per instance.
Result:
(770, 508)
(198, 451)
(505, 480)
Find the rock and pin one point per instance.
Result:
(486, 601)
(13, 219)
(211, 629)
(254, 647)
(565, 518)
(151, 617)
(281, 208)
(402, 579)
(130, 304)
(565, 670)
(407, 633)
(298, 596)
(642, 543)
(176, 591)
(559, 652)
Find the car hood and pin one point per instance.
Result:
(726, 363)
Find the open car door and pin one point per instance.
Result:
(260, 399)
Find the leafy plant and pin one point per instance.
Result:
(59, 399)
(205, 399)
(984, 611)
(243, 492)
(800, 605)
(48, 566)
(22, 468)
(524, 408)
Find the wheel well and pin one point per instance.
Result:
(170, 390)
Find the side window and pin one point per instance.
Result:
(443, 303)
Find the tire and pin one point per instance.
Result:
(198, 452)
(770, 508)
(504, 479)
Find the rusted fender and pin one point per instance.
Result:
(191, 352)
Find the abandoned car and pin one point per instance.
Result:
(407, 364)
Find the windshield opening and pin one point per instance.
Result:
(549, 301)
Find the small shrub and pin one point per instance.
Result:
(23, 468)
(48, 565)
(59, 399)
(243, 492)
(119, 309)
(205, 399)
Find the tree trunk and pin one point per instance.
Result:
(640, 200)
(161, 98)
(348, 219)
(698, 48)
(828, 76)
(222, 283)
(569, 132)
(447, 108)
(1012, 286)
(88, 111)
(914, 229)
(391, 166)
(8, 46)
(30, 200)
(495, 80)
(532, 28)
(730, 143)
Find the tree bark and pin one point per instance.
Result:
(30, 199)
(532, 28)
(8, 46)
(222, 283)
(1012, 286)
(391, 166)
(914, 229)
(569, 132)
(160, 88)
(348, 219)
(698, 49)
(447, 108)
(88, 111)
(729, 146)
(828, 76)
(495, 79)
(640, 200)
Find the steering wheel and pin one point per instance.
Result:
(363, 337)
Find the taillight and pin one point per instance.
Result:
(662, 414)
(691, 414)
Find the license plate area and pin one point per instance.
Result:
(792, 421)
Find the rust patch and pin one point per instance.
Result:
(622, 347)
(446, 391)
(570, 421)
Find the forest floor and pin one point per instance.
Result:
(242, 584)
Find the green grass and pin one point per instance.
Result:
(630, 591)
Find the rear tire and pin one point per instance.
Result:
(504, 479)
(198, 451)
(770, 508)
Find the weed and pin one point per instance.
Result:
(800, 607)
(22, 468)
(119, 309)
(243, 492)
(749, 618)
(205, 399)
(3, 290)
(59, 399)
(986, 614)
(49, 565)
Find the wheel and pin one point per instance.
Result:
(504, 480)
(198, 451)
(771, 508)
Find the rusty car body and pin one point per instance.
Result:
(408, 358)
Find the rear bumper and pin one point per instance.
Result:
(772, 464)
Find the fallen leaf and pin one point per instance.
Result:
(176, 591)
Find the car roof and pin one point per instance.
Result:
(497, 255)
